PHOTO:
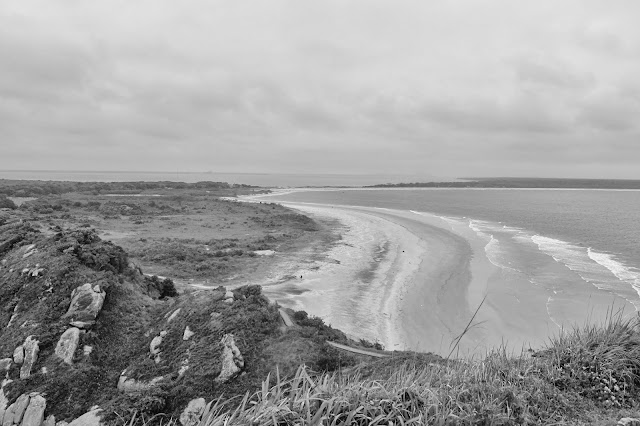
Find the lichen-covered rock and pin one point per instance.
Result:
(92, 418)
(31, 350)
(193, 412)
(232, 360)
(34, 415)
(18, 355)
(86, 303)
(68, 344)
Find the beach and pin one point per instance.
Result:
(414, 281)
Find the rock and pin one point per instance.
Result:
(129, 385)
(187, 333)
(86, 303)
(173, 315)
(5, 364)
(8, 415)
(228, 294)
(87, 349)
(35, 411)
(68, 344)
(193, 412)
(154, 347)
(232, 361)
(18, 355)
(31, 350)
(3, 403)
(230, 300)
(218, 294)
(19, 407)
(51, 421)
(92, 418)
(629, 421)
(264, 252)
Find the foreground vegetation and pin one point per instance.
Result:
(291, 375)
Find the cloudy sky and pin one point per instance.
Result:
(445, 88)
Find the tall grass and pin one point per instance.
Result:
(582, 376)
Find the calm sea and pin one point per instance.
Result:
(595, 234)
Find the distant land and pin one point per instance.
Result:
(517, 182)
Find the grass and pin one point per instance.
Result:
(587, 375)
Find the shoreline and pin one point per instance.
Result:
(421, 294)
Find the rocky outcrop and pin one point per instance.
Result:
(232, 360)
(31, 350)
(34, 414)
(86, 303)
(68, 344)
(193, 412)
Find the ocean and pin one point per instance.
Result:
(593, 235)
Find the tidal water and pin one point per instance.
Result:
(594, 235)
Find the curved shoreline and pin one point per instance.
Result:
(427, 279)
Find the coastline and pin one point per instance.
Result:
(413, 281)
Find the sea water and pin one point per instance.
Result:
(555, 239)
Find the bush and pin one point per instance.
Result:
(6, 203)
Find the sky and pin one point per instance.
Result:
(436, 88)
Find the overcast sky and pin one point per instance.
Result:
(446, 88)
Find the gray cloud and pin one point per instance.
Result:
(364, 86)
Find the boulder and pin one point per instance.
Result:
(34, 415)
(31, 350)
(68, 344)
(629, 421)
(19, 407)
(193, 412)
(8, 415)
(86, 303)
(92, 418)
(18, 355)
(232, 361)
(187, 333)
(51, 421)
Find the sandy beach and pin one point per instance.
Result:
(413, 281)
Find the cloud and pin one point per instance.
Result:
(363, 86)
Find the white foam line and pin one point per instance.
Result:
(549, 300)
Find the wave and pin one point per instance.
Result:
(621, 271)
